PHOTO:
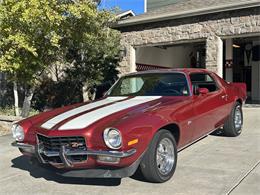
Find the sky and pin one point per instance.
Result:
(136, 5)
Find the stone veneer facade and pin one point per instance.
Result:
(209, 28)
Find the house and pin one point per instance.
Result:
(219, 35)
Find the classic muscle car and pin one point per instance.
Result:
(143, 121)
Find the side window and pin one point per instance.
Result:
(203, 80)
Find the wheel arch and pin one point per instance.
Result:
(240, 101)
(174, 129)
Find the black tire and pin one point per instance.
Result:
(148, 165)
(230, 128)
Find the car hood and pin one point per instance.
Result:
(107, 109)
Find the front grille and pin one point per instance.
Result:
(54, 144)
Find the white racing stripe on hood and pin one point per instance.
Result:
(91, 117)
(59, 118)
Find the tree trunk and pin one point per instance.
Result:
(16, 99)
(85, 92)
(27, 102)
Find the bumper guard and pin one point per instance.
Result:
(65, 152)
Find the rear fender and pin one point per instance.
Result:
(242, 88)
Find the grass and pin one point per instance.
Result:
(9, 111)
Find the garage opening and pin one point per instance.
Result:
(188, 55)
(242, 64)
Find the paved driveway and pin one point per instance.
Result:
(215, 165)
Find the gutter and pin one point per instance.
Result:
(185, 14)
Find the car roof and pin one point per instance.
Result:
(172, 70)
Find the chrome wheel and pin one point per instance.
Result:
(165, 156)
(238, 118)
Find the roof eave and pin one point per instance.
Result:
(184, 14)
(125, 13)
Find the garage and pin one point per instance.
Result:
(189, 55)
(242, 64)
(220, 36)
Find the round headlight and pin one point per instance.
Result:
(18, 132)
(112, 138)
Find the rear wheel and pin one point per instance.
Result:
(234, 123)
(160, 160)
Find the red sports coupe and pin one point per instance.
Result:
(142, 121)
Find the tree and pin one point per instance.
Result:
(92, 55)
(37, 35)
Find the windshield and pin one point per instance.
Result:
(154, 84)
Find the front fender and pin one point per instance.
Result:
(141, 128)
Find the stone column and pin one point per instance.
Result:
(132, 60)
(127, 64)
(212, 53)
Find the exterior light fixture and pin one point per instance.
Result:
(122, 53)
(236, 46)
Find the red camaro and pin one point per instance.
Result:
(142, 121)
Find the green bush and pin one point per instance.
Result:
(9, 111)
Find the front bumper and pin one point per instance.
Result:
(65, 153)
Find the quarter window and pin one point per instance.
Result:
(203, 80)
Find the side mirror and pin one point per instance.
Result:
(203, 91)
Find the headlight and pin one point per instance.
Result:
(18, 132)
(112, 138)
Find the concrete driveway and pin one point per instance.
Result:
(215, 165)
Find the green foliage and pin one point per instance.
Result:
(52, 94)
(35, 36)
(92, 55)
(29, 36)
(9, 111)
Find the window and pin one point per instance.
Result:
(151, 84)
(131, 85)
(202, 80)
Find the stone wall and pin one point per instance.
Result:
(207, 28)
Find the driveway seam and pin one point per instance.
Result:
(243, 178)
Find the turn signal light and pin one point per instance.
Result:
(108, 159)
(134, 141)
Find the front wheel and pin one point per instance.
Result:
(234, 123)
(160, 160)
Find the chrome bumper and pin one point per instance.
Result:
(25, 147)
(65, 152)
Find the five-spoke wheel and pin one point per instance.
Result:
(159, 162)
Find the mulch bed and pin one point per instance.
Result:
(6, 123)
(4, 130)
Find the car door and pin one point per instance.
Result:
(207, 107)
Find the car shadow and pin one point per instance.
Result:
(23, 163)
(219, 132)
(138, 176)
